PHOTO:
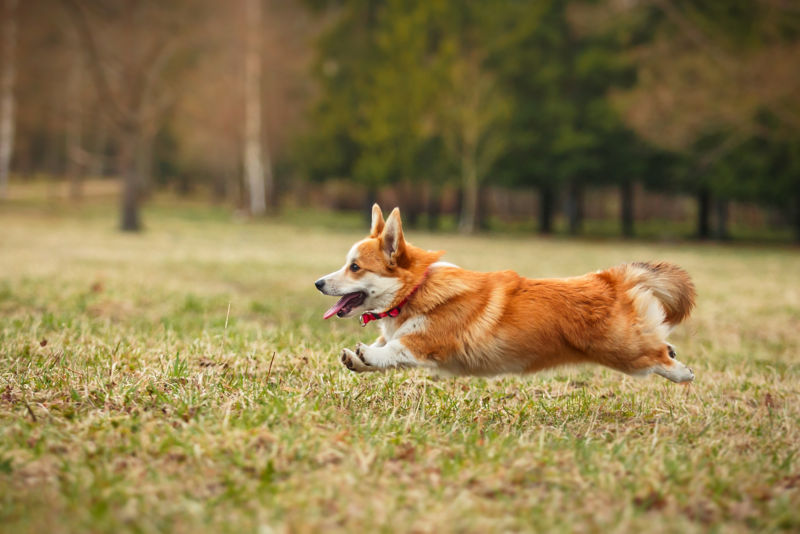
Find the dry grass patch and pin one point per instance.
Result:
(138, 392)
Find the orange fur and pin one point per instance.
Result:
(490, 323)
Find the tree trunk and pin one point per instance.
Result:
(254, 169)
(52, 164)
(218, 187)
(459, 204)
(98, 160)
(411, 201)
(434, 210)
(704, 213)
(482, 217)
(234, 189)
(626, 208)
(469, 207)
(73, 130)
(129, 149)
(575, 207)
(370, 199)
(8, 29)
(144, 164)
(797, 216)
(546, 202)
(721, 210)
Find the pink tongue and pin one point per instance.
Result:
(333, 310)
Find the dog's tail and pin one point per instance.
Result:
(670, 284)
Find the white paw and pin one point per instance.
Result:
(677, 372)
(354, 360)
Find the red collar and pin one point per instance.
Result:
(394, 312)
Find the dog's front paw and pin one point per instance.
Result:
(354, 360)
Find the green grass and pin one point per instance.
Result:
(139, 393)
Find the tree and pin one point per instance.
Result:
(708, 73)
(564, 133)
(407, 99)
(380, 68)
(73, 128)
(257, 163)
(474, 114)
(7, 75)
(128, 47)
(393, 125)
(331, 148)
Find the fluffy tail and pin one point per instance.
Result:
(669, 283)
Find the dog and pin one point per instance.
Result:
(436, 315)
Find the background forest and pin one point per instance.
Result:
(541, 114)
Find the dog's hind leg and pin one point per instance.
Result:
(666, 364)
(677, 372)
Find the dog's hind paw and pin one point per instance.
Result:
(354, 361)
(677, 372)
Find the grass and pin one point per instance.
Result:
(182, 380)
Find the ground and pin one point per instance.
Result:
(183, 380)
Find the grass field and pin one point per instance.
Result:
(182, 380)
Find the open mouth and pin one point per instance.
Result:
(345, 304)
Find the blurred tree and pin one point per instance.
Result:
(75, 155)
(564, 131)
(766, 167)
(129, 46)
(707, 74)
(257, 163)
(330, 148)
(8, 27)
(398, 99)
(406, 99)
(64, 127)
(380, 69)
(45, 55)
(474, 116)
(207, 122)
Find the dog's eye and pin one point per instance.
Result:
(354, 267)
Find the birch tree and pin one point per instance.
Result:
(473, 127)
(76, 157)
(257, 164)
(9, 42)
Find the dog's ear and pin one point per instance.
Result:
(392, 241)
(377, 221)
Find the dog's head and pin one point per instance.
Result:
(378, 270)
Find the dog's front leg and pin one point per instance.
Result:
(373, 358)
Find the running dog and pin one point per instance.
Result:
(439, 316)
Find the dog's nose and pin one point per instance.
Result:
(320, 284)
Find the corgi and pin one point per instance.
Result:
(436, 315)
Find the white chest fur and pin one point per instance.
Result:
(391, 330)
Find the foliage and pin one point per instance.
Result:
(380, 66)
(683, 95)
(397, 76)
(718, 84)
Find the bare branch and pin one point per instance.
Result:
(157, 58)
(695, 35)
(116, 112)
